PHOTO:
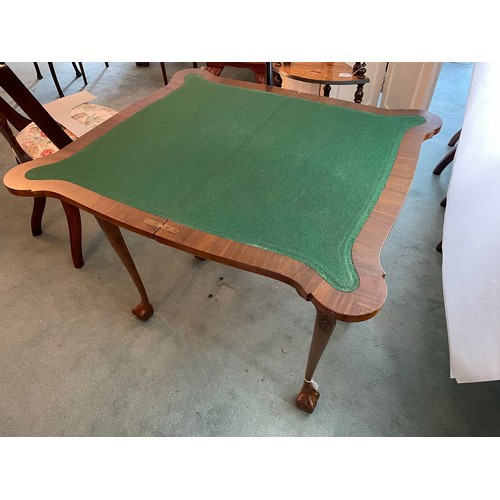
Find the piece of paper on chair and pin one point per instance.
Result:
(60, 110)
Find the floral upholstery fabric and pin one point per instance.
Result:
(37, 144)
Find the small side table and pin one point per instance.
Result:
(325, 73)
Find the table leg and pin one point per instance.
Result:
(164, 73)
(326, 90)
(358, 95)
(323, 328)
(144, 309)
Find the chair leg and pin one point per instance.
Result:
(75, 233)
(77, 71)
(445, 161)
(36, 215)
(455, 138)
(440, 167)
(83, 73)
(74, 226)
(38, 72)
(56, 81)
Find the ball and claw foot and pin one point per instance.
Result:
(308, 396)
(143, 311)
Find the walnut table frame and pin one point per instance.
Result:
(331, 305)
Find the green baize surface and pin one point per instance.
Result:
(292, 176)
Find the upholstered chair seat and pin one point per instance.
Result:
(36, 144)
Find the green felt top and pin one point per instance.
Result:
(288, 175)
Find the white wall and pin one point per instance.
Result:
(410, 85)
(471, 237)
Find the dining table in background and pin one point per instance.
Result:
(326, 74)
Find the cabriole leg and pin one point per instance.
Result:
(144, 309)
(323, 328)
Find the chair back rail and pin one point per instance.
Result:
(15, 88)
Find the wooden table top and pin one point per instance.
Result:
(319, 72)
(358, 305)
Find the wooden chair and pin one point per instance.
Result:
(40, 135)
(438, 169)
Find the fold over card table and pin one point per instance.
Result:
(299, 188)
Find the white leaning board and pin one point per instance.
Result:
(471, 236)
(60, 110)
